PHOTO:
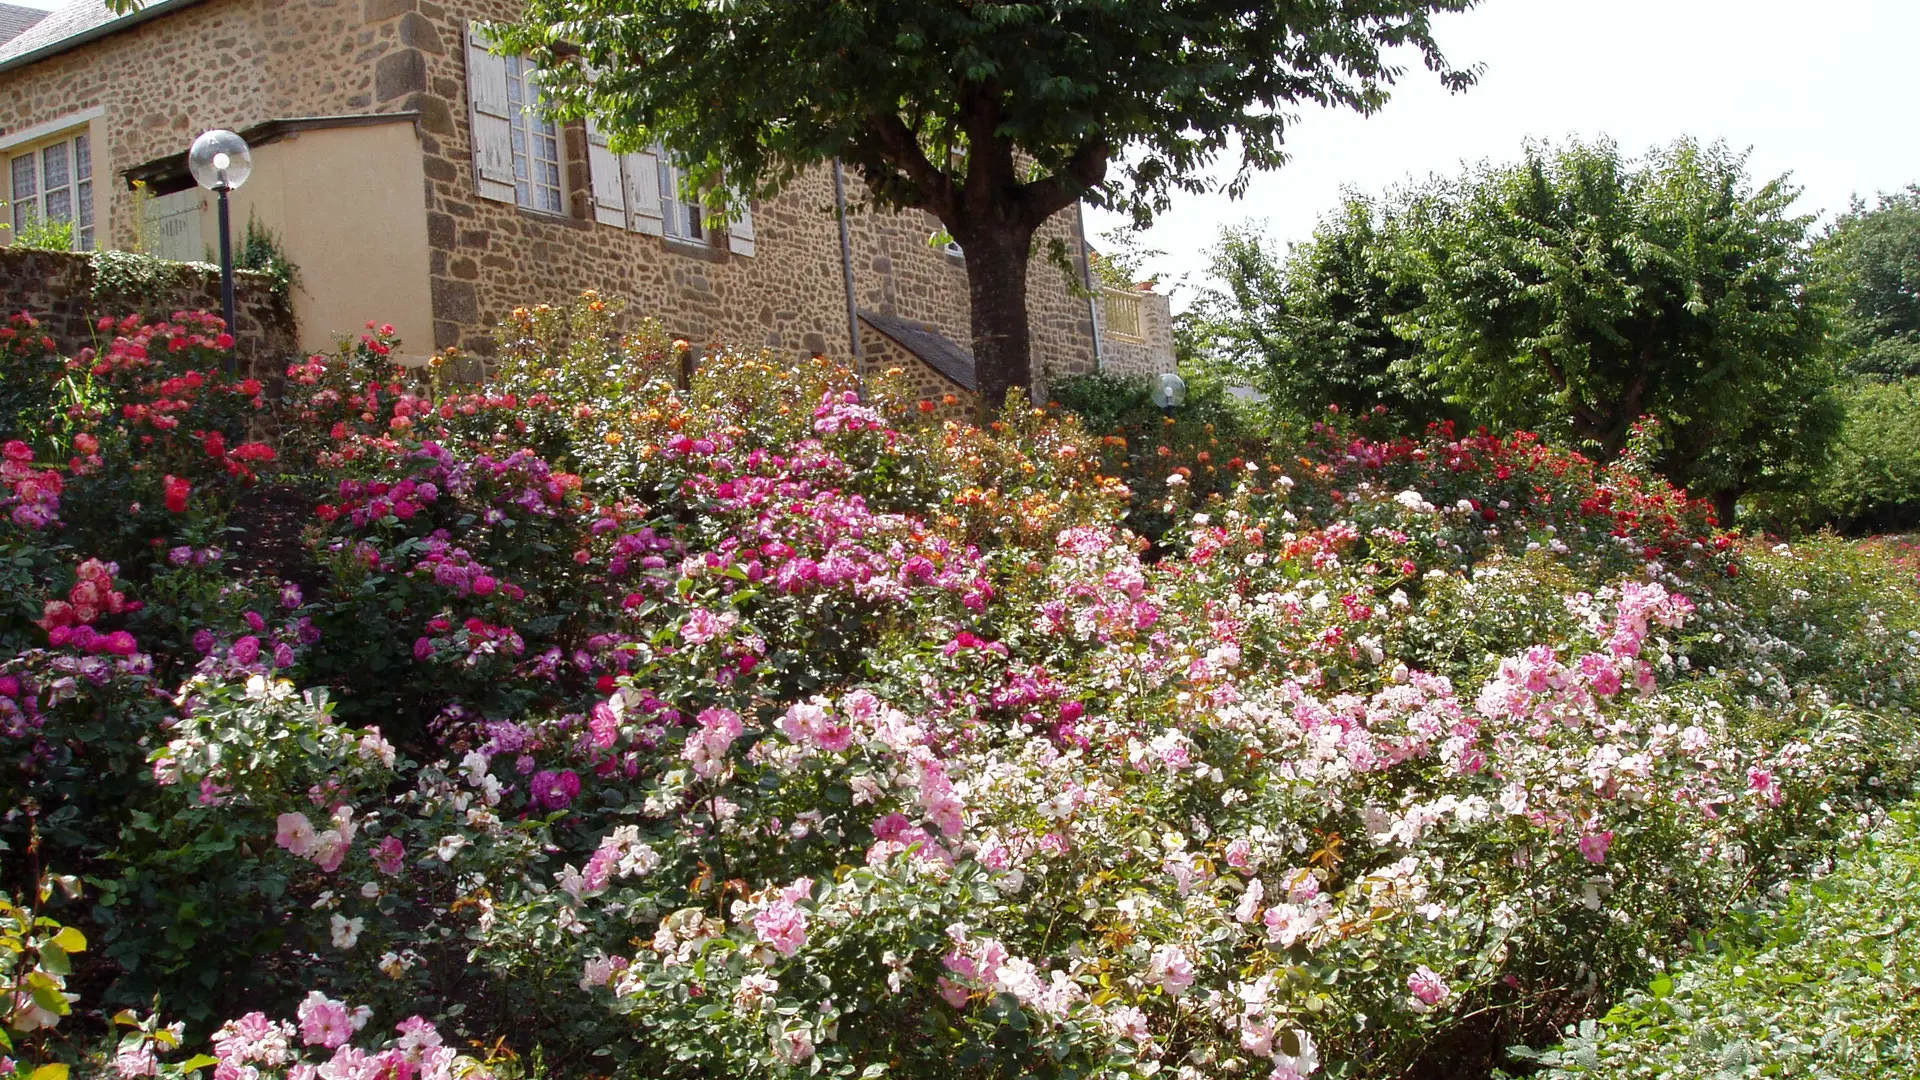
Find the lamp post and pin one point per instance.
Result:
(221, 162)
(1169, 392)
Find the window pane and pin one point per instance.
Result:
(82, 157)
(60, 204)
(83, 203)
(24, 176)
(22, 216)
(53, 162)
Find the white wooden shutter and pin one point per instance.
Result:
(740, 231)
(492, 125)
(670, 201)
(609, 187)
(646, 215)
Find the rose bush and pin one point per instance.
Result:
(627, 715)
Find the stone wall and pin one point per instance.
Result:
(236, 63)
(58, 288)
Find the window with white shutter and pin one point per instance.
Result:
(609, 183)
(640, 191)
(646, 213)
(536, 141)
(516, 147)
(685, 219)
(492, 123)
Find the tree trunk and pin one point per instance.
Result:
(1725, 503)
(997, 295)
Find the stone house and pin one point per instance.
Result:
(403, 170)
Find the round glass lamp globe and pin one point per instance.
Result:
(220, 160)
(1169, 391)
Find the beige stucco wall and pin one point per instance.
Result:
(345, 202)
(236, 63)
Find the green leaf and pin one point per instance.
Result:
(54, 959)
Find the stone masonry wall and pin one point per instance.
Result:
(489, 257)
(235, 63)
(57, 288)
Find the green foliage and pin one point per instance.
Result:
(1872, 259)
(260, 251)
(1823, 985)
(1571, 293)
(993, 117)
(45, 234)
(1316, 328)
(1872, 482)
(122, 278)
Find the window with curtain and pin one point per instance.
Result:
(53, 182)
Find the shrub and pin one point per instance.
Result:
(1819, 985)
(1147, 448)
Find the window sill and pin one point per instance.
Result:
(550, 217)
(695, 249)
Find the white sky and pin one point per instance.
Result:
(1822, 90)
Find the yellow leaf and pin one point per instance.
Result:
(49, 1072)
(71, 940)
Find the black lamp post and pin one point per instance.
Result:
(221, 162)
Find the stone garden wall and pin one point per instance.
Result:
(69, 294)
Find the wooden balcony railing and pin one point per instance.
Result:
(1123, 321)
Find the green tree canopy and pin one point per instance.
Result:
(1572, 292)
(992, 115)
(1577, 291)
(1315, 327)
(1872, 257)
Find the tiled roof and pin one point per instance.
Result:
(938, 351)
(15, 21)
(79, 22)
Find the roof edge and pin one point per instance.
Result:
(95, 33)
(946, 357)
(271, 131)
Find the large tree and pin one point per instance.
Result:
(1572, 292)
(992, 115)
(1579, 290)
